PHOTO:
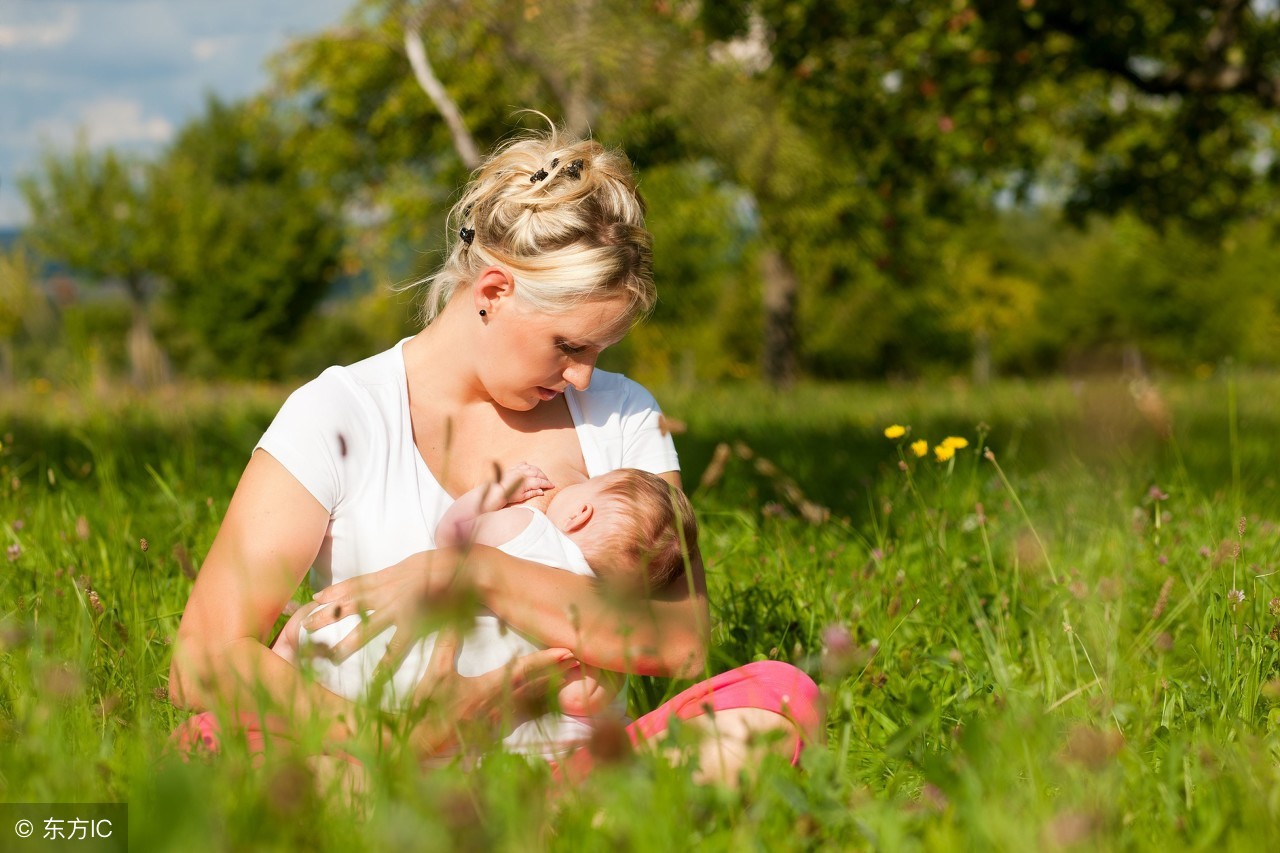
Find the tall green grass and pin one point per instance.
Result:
(1041, 648)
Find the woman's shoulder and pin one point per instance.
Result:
(379, 378)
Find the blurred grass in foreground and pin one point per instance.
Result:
(1083, 652)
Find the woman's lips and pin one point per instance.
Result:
(547, 393)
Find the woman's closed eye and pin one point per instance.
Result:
(570, 349)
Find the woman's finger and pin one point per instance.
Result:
(442, 656)
(352, 589)
(539, 665)
(319, 616)
(440, 672)
(370, 626)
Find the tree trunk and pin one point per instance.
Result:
(148, 365)
(6, 364)
(981, 357)
(779, 357)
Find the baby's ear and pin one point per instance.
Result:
(579, 518)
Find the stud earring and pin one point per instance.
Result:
(482, 312)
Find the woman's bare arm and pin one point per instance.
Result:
(660, 636)
(665, 635)
(269, 538)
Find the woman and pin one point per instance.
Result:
(549, 264)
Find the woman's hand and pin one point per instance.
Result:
(399, 596)
(447, 700)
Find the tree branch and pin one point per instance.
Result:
(1213, 75)
(416, 50)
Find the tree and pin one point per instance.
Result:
(253, 240)
(93, 213)
(22, 306)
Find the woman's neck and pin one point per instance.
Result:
(438, 362)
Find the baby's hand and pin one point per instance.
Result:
(523, 481)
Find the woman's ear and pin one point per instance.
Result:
(492, 286)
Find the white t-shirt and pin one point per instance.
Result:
(488, 646)
(347, 437)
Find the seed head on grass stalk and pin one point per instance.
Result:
(1013, 494)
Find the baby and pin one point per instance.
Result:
(627, 527)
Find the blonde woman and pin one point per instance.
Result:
(549, 264)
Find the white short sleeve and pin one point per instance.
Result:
(315, 434)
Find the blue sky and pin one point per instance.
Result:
(128, 73)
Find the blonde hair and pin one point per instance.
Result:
(562, 215)
(651, 531)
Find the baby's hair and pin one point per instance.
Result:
(656, 531)
(562, 215)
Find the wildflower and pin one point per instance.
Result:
(95, 603)
(988, 455)
(837, 639)
(1156, 494)
(1162, 600)
(14, 552)
(944, 452)
(19, 524)
(144, 544)
(895, 431)
(1235, 598)
(920, 447)
(955, 442)
(82, 528)
(1273, 607)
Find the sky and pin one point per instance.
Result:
(128, 73)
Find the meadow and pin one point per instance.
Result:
(1064, 634)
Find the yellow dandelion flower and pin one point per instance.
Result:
(955, 442)
(944, 452)
(920, 448)
(895, 431)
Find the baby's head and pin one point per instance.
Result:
(633, 527)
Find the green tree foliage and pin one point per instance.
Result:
(861, 151)
(947, 108)
(24, 311)
(253, 241)
(93, 213)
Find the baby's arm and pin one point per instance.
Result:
(516, 485)
(286, 644)
(587, 691)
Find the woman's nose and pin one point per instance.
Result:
(579, 375)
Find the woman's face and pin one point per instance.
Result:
(529, 357)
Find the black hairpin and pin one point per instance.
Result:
(537, 176)
(467, 234)
(574, 169)
(555, 161)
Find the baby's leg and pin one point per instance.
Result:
(286, 645)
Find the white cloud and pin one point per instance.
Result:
(110, 121)
(204, 49)
(43, 34)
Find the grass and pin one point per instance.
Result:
(1041, 650)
